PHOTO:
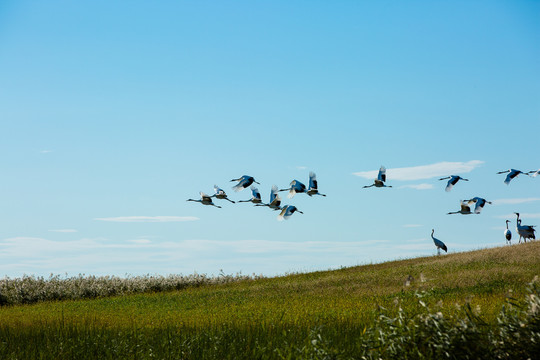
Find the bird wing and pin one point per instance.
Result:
(312, 180)
(449, 186)
(382, 174)
(509, 177)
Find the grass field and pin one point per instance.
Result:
(451, 306)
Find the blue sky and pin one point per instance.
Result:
(112, 114)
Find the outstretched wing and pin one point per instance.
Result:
(382, 174)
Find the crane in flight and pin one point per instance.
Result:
(275, 200)
(287, 211)
(380, 180)
(313, 189)
(295, 187)
(480, 202)
(205, 200)
(243, 182)
(220, 194)
(255, 196)
(465, 209)
(453, 181)
(512, 173)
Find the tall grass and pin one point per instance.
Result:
(32, 289)
(466, 305)
(422, 333)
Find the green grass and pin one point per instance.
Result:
(421, 307)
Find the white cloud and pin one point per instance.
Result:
(423, 172)
(140, 241)
(64, 230)
(149, 219)
(301, 167)
(514, 201)
(418, 186)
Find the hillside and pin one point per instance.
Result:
(287, 309)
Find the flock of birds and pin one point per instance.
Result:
(286, 211)
(296, 187)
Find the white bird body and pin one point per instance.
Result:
(380, 180)
(255, 196)
(438, 243)
(480, 202)
(512, 173)
(205, 200)
(508, 233)
(275, 200)
(524, 231)
(287, 211)
(243, 182)
(313, 189)
(465, 209)
(296, 187)
(453, 181)
(220, 194)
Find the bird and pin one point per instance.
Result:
(205, 200)
(508, 233)
(438, 243)
(256, 196)
(220, 194)
(313, 189)
(480, 202)
(512, 173)
(296, 187)
(534, 173)
(453, 181)
(275, 200)
(243, 182)
(287, 211)
(524, 231)
(465, 209)
(381, 178)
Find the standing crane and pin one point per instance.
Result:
(453, 181)
(480, 202)
(313, 189)
(220, 194)
(508, 233)
(205, 200)
(243, 182)
(524, 231)
(381, 178)
(512, 173)
(438, 243)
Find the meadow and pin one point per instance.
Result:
(479, 304)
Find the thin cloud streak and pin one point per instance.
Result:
(418, 186)
(148, 219)
(514, 201)
(424, 172)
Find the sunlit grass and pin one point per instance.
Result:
(279, 317)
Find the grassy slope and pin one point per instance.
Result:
(349, 295)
